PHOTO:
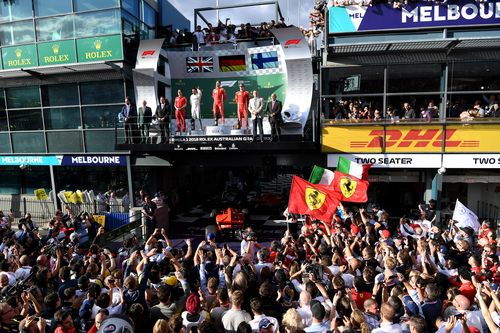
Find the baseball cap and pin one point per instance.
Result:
(468, 230)
(116, 323)
(193, 303)
(264, 323)
(385, 233)
(73, 236)
(211, 235)
(170, 280)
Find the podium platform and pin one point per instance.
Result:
(196, 133)
(217, 130)
(237, 132)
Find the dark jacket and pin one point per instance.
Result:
(274, 113)
(146, 117)
(132, 116)
(163, 112)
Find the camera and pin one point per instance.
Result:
(315, 270)
(248, 236)
(441, 170)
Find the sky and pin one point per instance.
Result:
(296, 12)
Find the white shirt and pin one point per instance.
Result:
(306, 315)
(200, 37)
(388, 328)
(254, 323)
(22, 272)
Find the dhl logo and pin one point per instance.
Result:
(413, 138)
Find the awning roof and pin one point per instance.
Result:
(407, 52)
(70, 73)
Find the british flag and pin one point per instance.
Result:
(199, 64)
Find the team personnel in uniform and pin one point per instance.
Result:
(242, 98)
(180, 104)
(219, 96)
(195, 100)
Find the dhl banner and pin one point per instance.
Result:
(419, 138)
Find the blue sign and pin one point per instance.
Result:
(94, 160)
(64, 160)
(414, 15)
(30, 160)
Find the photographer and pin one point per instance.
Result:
(249, 244)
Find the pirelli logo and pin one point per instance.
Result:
(413, 138)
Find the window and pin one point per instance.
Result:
(25, 120)
(102, 92)
(23, 97)
(98, 23)
(83, 5)
(411, 78)
(9, 178)
(99, 141)
(149, 15)
(17, 33)
(419, 103)
(353, 80)
(130, 24)
(2, 99)
(132, 6)
(64, 142)
(62, 118)
(60, 94)
(4, 144)
(37, 177)
(13, 10)
(52, 7)
(476, 76)
(24, 143)
(3, 120)
(100, 116)
(54, 28)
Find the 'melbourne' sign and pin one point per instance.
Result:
(414, 15)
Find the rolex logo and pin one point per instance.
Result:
(98, 44)
(55, 48)
(18, 53)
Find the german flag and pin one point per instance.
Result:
(234, 63)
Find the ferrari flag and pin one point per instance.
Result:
(350, 188)
(318, 201)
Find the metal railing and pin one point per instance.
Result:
(43, 210)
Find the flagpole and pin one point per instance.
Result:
(217, 6)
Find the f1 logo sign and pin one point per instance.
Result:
(292, 42)
(147, 53)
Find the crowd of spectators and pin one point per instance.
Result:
(362, 109)
(358, 273)
(393, 3)
(316, 25)
(225, 33)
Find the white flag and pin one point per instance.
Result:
(465, 217)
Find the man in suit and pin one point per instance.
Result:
(129, 115)
(273, 109)
(145, 116)
(255, 107)
(163, 115)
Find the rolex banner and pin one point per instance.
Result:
(318, 201)
(350, 188)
